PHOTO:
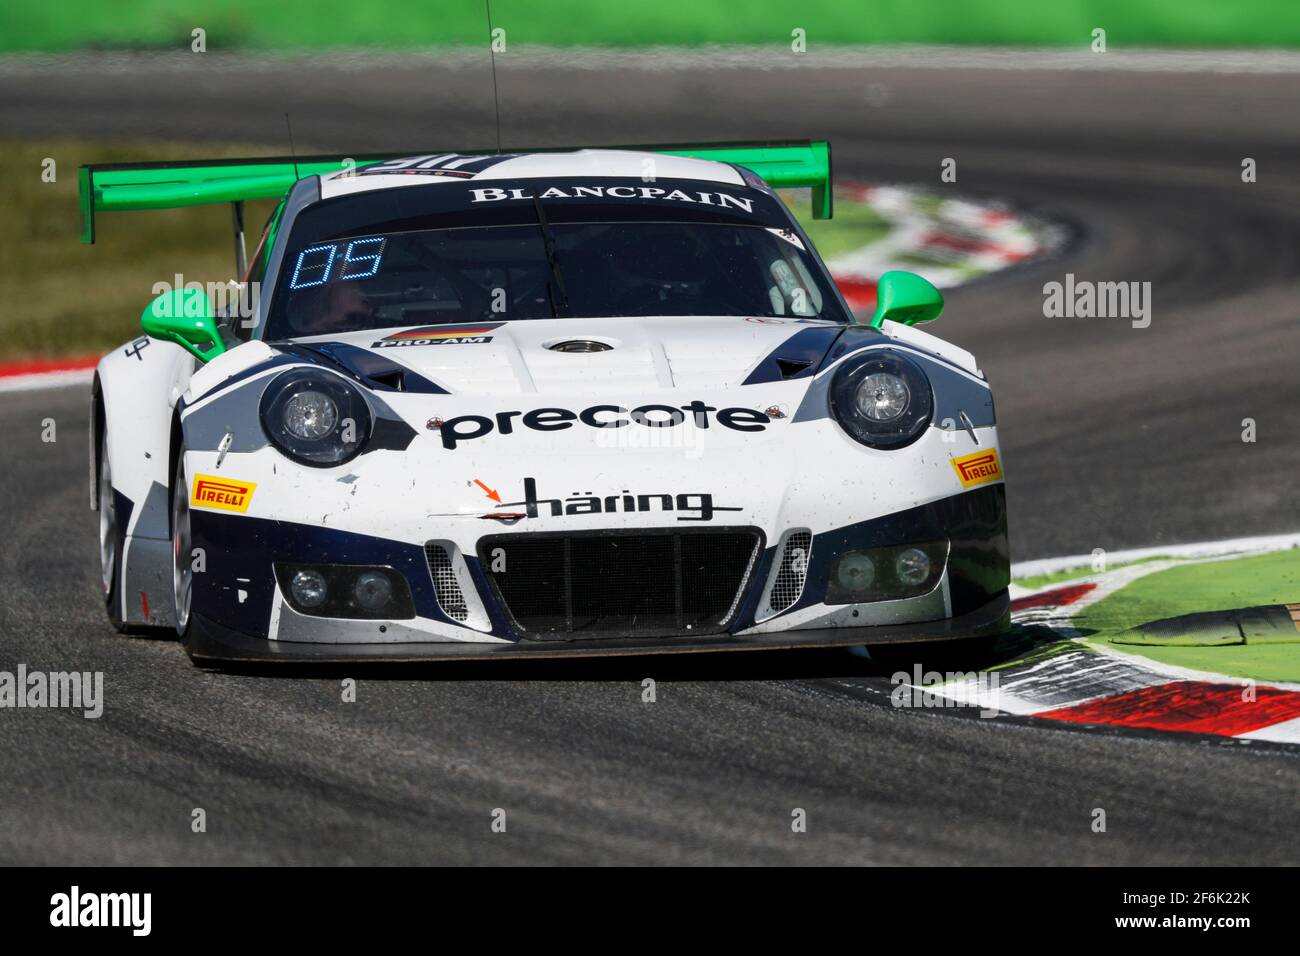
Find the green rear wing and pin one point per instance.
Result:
(130, 186)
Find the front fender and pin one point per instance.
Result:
(136, 389)
(135, 392)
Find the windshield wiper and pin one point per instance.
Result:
(557, 280)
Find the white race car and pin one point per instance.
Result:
(556, 403)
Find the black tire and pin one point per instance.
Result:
(182, 569)
(112, 537)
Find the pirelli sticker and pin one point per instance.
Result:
(224, 494)
(978, 468)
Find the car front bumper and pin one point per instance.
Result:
(212, 644)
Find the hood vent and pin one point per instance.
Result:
(375, 371)
(790, 368)
(580, 345)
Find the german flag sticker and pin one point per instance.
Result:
(433, 332)
(978, 468)
(224, 494)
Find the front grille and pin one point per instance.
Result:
(791, 571)
(640, 583)
(450, 597)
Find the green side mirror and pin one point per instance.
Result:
(185, 316)
(907, 298)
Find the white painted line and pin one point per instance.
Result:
(1287, 732)
(945, 242)
(1060, 619)
(1174, 672)
(40, 380)
(1201, 549)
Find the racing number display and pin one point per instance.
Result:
(316, 265)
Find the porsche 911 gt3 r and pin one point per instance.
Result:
(552, 403)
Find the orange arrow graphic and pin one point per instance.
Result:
(491, 492)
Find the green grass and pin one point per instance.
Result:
(1214, 586)
(853, 226)
(313, 24)
(66, 298)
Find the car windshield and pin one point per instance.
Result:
(593, 269)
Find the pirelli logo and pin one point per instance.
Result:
(976, 469)
(223, 494)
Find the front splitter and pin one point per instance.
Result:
(212, 644)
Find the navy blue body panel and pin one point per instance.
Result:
(799, 356)
(974, 522)
(240, 551)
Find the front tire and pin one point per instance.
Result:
(182, 559)
(112, 537)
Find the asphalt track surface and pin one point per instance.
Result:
(1113, 437)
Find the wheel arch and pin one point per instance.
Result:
(174, 447)
(134, 397)
(96, 430)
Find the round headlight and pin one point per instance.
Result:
(310, 415)
(309, 588)
(882, 399)
(315, 417)
(912, 567)
(855, 571)
(372, 590)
